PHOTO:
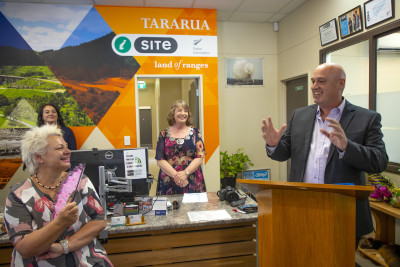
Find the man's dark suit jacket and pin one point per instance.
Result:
(365, 152)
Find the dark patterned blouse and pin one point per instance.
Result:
(179, 153)
(28, 209)
(69, 138)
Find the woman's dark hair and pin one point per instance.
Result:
(40, 120)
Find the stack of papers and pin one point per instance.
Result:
(209, 215)
(194, 197)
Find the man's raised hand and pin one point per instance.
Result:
(270, 134)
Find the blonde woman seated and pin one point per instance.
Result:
(68, 239)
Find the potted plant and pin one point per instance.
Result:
(231, 165)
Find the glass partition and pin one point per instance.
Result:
(355, 61)
(388, 91)
(371, 60)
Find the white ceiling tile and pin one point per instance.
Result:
(22, 1)
(225, 5)
(270, 6)
(223, 15)
(292, 6)
(119, 2)
(63, 2)
(227, 10)
(169, 3)
(70, 2)
(276, 17)
(250, 16)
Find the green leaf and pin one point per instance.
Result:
(231, 165)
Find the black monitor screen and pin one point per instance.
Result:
(112, 159)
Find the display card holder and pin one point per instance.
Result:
(135, 219)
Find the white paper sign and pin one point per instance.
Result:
(377, 11)
(194, 197)
(136, 218)
(328, 32)
(209, 215)
(135, 164)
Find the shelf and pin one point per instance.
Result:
(373, 255)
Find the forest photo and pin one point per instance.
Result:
(59, 54)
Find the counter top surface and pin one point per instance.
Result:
(180, 219)
(176, 219)
(385, 208)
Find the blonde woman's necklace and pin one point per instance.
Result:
(49, 187)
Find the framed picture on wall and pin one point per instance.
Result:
(244, 71)
(328, 32)
(377, 11)
(350, 22)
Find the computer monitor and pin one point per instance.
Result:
(123, 163)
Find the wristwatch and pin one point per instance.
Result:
(187, 173)
(64, 244)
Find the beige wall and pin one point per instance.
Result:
(241, 109)
(168, 94)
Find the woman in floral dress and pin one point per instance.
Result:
(180, 152)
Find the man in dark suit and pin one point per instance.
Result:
(331, 141)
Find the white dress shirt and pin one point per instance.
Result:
(319, 148)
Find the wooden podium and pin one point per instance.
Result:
(301, 224)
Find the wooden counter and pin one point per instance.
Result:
(173, 239)
(385, 220)
(302, 224)
(385, 217)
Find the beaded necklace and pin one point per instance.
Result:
(49, 187)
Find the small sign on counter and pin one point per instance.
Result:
(118, 221)
(135, 219)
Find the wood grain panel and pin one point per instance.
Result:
(344, 228)
(385, 208)
(5, 254)
(384, 226)
(243, 261)
(184, 254)
(194, 238)
(360, 192)
(385, 219)
(265, 229)
(180, 230)
(155, 241)
(300, 227)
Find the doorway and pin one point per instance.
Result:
(296, 97)
(145, 127)
(155, 95)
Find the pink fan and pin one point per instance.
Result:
(68, 188)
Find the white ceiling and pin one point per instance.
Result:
(227, 10)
